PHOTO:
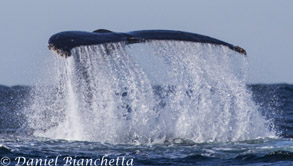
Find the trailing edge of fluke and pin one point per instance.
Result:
(63, 42)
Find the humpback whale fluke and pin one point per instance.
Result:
(63, 42)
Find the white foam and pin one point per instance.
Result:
(104, 93)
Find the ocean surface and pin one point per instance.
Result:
(122, 109)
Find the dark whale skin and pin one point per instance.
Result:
(63, 42)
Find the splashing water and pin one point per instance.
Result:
(148, 93)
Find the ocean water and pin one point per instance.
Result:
(158, 103)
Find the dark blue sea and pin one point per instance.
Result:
(275, 101)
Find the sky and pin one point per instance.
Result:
(262, 27)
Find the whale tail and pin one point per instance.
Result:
(63, 42)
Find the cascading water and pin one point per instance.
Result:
(148, 93)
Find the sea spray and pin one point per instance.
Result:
(147, 93)
(211, 100)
